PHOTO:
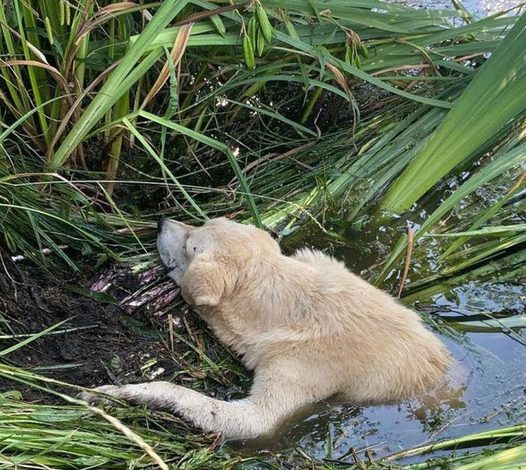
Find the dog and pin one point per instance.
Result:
(306, 326)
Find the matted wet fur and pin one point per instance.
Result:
(308, 327)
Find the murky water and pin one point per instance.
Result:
(486, 386)
(477, 7)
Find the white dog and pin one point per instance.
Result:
(308, 327)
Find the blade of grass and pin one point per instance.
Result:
(156, 157)
(501, 164)
(483, 112)
(21, 344)
(116, 84)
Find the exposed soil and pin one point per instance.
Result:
(103, 343)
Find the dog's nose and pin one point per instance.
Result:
(160, 225)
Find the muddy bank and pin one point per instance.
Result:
(99, 342)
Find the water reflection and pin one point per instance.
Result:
(477, 7)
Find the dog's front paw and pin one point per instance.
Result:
(96, 395)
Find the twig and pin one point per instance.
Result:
(424, 66)
(171, 331)
(517, 183)
(356, 458)
(408, 257)
(274, 158)
(190, 332)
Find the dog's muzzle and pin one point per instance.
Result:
(169, 269)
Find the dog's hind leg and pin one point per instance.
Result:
(256, 415)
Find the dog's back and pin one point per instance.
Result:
(310, 314)
(381, 349)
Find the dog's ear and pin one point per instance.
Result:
(206, 282)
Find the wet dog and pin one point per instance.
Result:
(308, 327)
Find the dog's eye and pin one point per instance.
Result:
(188, 248)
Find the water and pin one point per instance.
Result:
(487, 388)
(477, 7)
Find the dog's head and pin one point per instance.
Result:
(207, 261)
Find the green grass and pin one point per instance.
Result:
(43, 436)
(78, 436)
(482, 116)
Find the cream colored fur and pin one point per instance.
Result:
(308, 327)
